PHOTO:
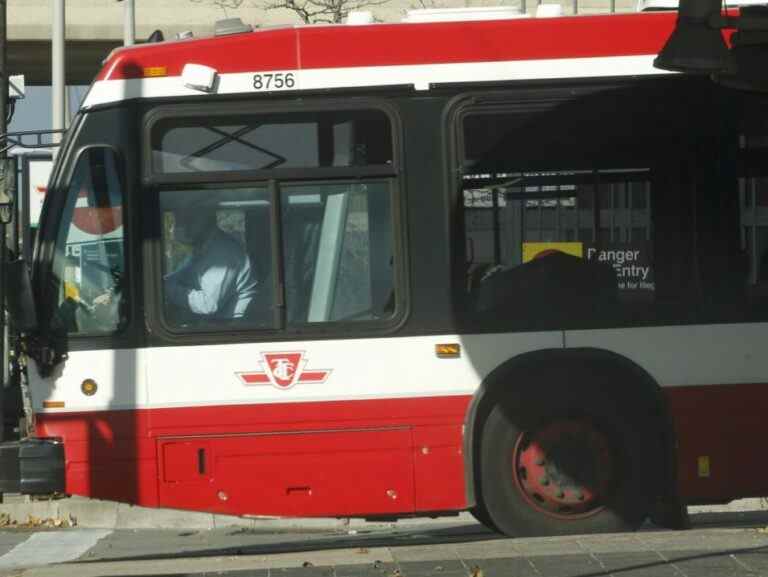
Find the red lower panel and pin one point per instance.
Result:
(297, 474)
(388, 457)
(721, 441)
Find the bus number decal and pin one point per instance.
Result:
(274, 80)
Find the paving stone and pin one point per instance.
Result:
(447, 568)
(640, 564)
(500, 567)
(755, 561)
(302, 572)
(496, 548)
(615, 543)
(566, 566)
(367, 570)
(701, 562)
(421, 553)
(548, 546)
(705, 540)
(238, 573)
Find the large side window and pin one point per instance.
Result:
(305, 237)
(613, 206)
(89, 261)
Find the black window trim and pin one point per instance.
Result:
(159, 333)
(45, 249)
(212, 109)
(519, 98)
(279, 331)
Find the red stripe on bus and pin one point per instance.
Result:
(400, 455)
(403, 44)
(412, 447)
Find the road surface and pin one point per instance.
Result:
(718, 545)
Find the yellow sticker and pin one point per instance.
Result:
(703, 463)
(533, 250)
(71, 291)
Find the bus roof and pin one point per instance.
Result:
(402, 54)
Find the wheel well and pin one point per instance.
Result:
(518, 373)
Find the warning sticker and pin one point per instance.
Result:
(534, 250)
(631, 261)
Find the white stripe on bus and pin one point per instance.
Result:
(389, 368)
(418, 75)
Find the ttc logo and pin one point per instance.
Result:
(284, 370)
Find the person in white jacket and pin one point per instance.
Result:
(216, 282)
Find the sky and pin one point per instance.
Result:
(34, 111)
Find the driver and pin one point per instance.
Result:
(217, 281)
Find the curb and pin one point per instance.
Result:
(92, 513)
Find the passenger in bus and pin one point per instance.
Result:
(217, 281)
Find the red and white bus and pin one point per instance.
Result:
(505, 266)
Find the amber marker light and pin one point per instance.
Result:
(53, 404)
(155, 71)
(89, 387)
(448, 350)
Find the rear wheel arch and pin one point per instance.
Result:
(520, 374)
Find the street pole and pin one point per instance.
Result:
(4, 167)
(129, 23)
(58, 86)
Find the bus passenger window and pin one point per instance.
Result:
(558, 228)
(676, 209)
(337, 250)
(308, 225)
(89, 262)
(216, 257)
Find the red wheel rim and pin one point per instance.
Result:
(565, 469)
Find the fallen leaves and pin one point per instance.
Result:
(38, 522)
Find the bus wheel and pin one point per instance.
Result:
(548, 472)
(481, 515)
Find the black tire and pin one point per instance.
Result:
(481, 515)
(630, 427)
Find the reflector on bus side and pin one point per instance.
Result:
(53, 404)
(155, 71)
(448, 350)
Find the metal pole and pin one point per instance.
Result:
(4, 166)
(129, 23)
(58, 92)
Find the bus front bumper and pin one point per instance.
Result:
(32, 466)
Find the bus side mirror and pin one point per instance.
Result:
(19, 297)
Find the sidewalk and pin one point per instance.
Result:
(419, 551)
(92, 513)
